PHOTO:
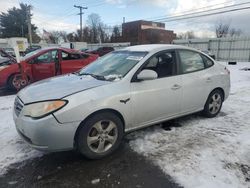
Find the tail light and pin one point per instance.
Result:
(228, 71)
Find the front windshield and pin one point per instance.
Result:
(28, 55)
(114, 65)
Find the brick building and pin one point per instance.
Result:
(146, 32)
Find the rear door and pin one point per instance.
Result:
(43, 66)
(71, 62)
(196, 80)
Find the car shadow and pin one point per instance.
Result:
(5, 92)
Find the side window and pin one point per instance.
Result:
(67, 56)
(44, 58)
(55, 55)
(85, 56)
(163, 63)
(191, 61)
(208, 62)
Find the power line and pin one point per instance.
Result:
(192, 10)
(65, 12)
(194, 13)
(53, 24)
(65, 17)
(203, 15)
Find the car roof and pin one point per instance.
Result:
(156, 47)
(60, 48)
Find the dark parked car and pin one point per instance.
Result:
(10, 51)
(32, 48)
(101, 51)
(6, 58)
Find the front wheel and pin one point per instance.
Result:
(100, 135)
(213, 104)
(17, 81)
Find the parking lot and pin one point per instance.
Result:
(68, 169)
(192, 151)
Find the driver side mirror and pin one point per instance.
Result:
(147, 75)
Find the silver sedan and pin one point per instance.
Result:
(125, 90)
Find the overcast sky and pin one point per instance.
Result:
(61, 15)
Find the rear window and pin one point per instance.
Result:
(191, 61)
(68, 56)
(208, 62)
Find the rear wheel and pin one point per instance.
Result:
(100, 135)
(17, 81)
(213, 104)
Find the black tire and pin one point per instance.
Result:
(10, 83)
(212, 108)
(89, 127)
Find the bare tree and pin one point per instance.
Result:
(97, 29)
(186, 35)
(222, 29)
(93, 22)
(86, 34)
(235, 32)
(72, 37)
(54, 36)
(116, 34)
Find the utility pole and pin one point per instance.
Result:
(29, 24)
(81, 13)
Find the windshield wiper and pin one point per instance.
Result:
(76, 73)
(98, 77)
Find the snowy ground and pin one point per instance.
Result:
(201, 153)
(12, 148)
(206, 152)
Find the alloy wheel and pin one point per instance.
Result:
(19, 82)
(215, 103)
(102, 136)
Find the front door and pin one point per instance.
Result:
(155, 100)
(44, 66)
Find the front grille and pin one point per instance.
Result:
(18, 106)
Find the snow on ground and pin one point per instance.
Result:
(206, 152)
(12, 148)
(201, 153)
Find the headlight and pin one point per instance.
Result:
(41, 109)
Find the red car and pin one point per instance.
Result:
(42, 64)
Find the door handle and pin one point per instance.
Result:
(175, 87)
(209, 80)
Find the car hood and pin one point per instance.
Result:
(58, 87)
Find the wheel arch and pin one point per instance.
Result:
(117, 113)
(9, 76)
(12, 74)
(220, 89)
